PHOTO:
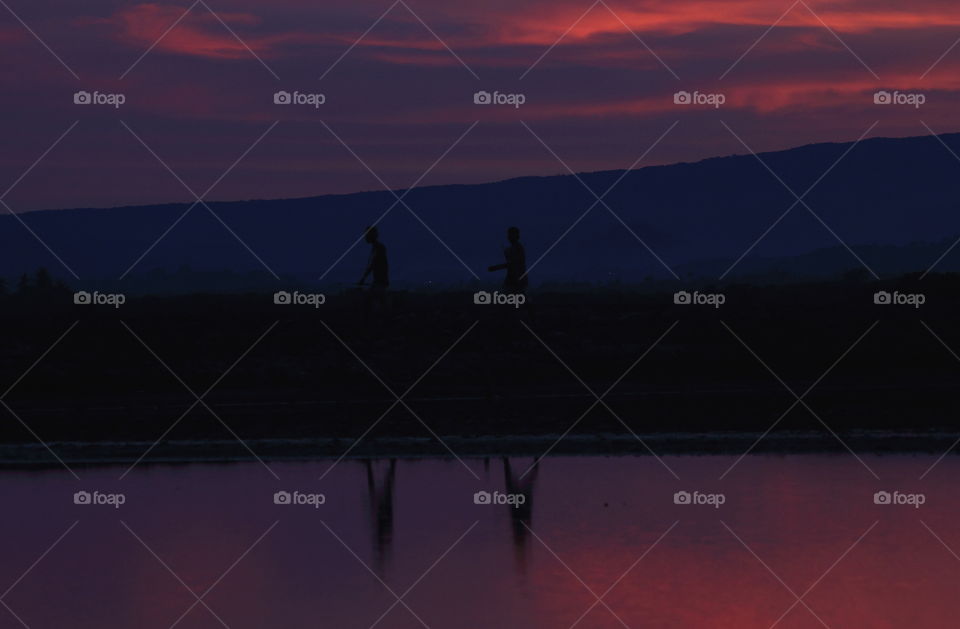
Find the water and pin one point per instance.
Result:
(592, 527)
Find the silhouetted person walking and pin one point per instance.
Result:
(377, 267)
(501, 323)
(515, 264)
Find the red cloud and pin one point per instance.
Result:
(674, 18)
(199, 33)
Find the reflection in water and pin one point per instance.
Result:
(521, 517)
(609, 524)
(381, 510)
(380, 490)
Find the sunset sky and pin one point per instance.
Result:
(399, 79)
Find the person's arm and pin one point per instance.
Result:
(505, 265)
(367, 272)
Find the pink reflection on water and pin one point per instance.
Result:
(809, 521)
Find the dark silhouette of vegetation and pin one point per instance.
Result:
(40, 289)
(23, 285)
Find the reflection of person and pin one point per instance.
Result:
(381, 511)
(515, 265)
(521, 516)
(377, 267)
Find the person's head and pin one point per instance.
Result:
(513, 234)
(371, 234)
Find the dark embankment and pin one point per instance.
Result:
(320, 376)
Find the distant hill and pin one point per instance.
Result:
(896, 202)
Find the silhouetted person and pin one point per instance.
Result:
(515, 264)
(501, 324)
(381, 511)
(377, 267)
(521, 517)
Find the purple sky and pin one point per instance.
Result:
(599, 99)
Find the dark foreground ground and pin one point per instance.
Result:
(302, 381)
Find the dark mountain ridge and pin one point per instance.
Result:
(892, 201)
